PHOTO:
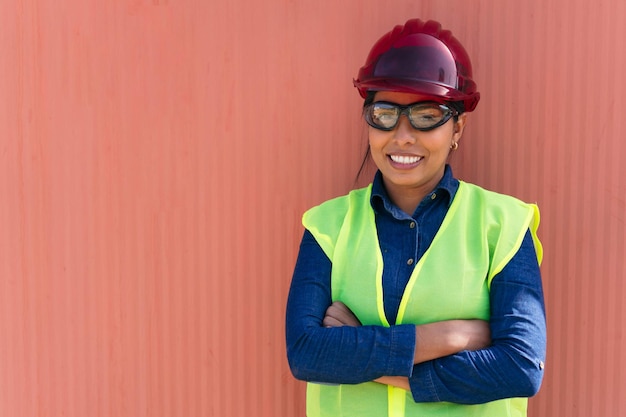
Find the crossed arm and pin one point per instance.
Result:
(433, 340)
(470, 364)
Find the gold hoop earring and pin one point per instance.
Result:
(454, 146)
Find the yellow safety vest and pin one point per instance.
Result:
(480, 234)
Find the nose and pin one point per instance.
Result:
(404, 132)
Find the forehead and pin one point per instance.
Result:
(403, 98)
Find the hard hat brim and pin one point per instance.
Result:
(438, 92)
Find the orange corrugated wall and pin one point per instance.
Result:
(156, 156)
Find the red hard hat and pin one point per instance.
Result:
(420, 58)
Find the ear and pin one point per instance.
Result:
(459, 126)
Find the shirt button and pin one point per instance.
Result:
(433, 196)
(541, 365)
(410, 261)
(412, 225)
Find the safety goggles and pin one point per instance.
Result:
(423, 116)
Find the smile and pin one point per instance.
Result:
(406, 160)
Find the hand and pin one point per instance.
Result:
(469, 334)
(338, 314)
(443, 338)
(396, 381)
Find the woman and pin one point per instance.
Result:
(419, 295)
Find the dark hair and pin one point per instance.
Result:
(369, 99)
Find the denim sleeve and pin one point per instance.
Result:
(513, 365)
(345, 355)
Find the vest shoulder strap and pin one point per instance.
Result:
(326, 220)
(500, 210)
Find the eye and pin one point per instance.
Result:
(426, 115)
(384, 115)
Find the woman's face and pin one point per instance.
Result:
(409, 159)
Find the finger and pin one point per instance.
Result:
(341, 312)
(340, 307)
(338, 316)
(331, 322)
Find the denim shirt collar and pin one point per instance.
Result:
(381, 202)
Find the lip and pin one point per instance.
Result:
(404, 161)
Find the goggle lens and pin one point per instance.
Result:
(423, 116)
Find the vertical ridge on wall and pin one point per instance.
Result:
(562, 150)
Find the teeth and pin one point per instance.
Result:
(401, 159)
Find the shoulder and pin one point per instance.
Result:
(493, 203)
(488, 195)
(325, 221)
(503, 218)
(336, 208)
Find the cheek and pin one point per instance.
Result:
(374, 139)
(376, 147)
(441, 143)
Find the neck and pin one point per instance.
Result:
(407, 198)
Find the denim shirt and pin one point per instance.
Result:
(511, 367)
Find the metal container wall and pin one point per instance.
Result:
(156, 157)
